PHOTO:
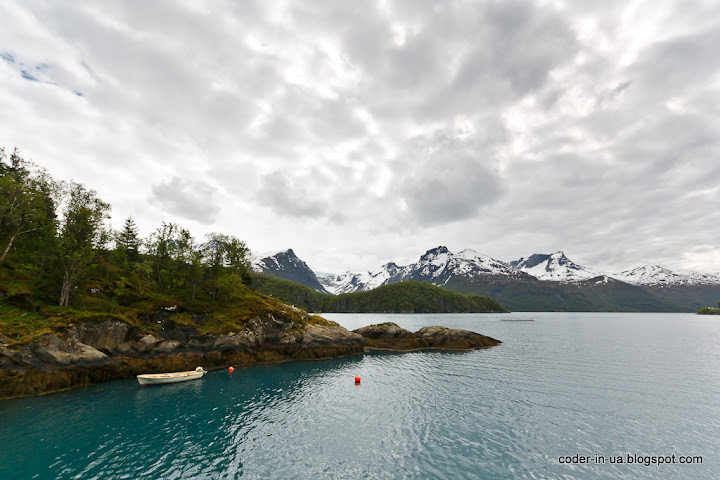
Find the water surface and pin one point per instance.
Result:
(593, 384)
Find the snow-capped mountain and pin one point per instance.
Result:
(538, 282)
(349, 282)
(437, 266)
(555, 267)
(285, 264)
(655, 275)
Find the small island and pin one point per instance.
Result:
(709, 310)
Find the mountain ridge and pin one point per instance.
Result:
(553, 280)
(286, 264)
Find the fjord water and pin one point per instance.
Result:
(589, 384)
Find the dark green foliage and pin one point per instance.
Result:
(28, 201)
(710, 310)
(44, 259)
(413, 297)
(593, 295)
(225, 253)
(169, 248)
(402, 297)
(290, 292)
(80, 235)
(127, 243)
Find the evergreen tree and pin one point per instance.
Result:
(127, 242)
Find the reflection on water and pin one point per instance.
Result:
(573, 383)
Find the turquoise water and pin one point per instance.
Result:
(588, 384)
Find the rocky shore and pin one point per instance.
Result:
(100, 351)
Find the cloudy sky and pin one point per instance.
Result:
(364, 132)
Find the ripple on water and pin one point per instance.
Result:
(567, 384)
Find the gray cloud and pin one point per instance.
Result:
(193, 200)
(591, 128)
(292, 197)
(442, 178)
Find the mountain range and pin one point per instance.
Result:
(533, 283)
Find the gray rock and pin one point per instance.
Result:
(390, 336)
(146, 343)
(105, 336)
(388, 330)
(174, 331)
(167, 346)
(329, 335)
(234, 341)
(53, 350)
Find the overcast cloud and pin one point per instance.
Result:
(364, 132)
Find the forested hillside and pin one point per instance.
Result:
(402, 297)
(60, 263)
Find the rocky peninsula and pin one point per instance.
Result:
(111, 349)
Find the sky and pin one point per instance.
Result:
(359, 133)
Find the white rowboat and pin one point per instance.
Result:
(159, 378)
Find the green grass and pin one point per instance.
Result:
(20, 326)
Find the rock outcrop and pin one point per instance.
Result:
(389, 336)
(98, 351)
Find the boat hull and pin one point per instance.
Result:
(162, 378)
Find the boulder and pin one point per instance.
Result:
(383, 330)
(174, 331)
(69, 352)
(146, 343)
(167, 346)
(389, 336)
(105, 336)
(234, 341)
(325, 335)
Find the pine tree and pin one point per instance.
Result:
(127, 242)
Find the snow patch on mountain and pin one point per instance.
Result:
(554, 267)
(656, 275)
(436, 266)
(260, 260)
(468, 261)
(348, 282)
(439, 266)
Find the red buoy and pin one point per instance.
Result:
(231, 369)
(357, 380)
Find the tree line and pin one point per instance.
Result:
(56, 232)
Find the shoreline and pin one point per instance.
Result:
(93, 353)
